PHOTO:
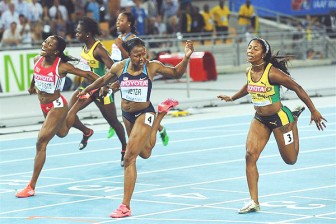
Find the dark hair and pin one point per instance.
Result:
(90, 26)
(61, 44)
(131, 19)
(277, 61)
(131, 43)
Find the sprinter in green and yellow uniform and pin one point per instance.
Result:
(265, 76)
(95, 57)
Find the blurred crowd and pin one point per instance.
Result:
(29, 22)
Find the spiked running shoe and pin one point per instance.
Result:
(249, 207)
(87, 95)
(85, 139)
(164, 136)
(122, 158)
(110, 133)
(298, 110)
(121, 212)
(28, 191)
(166, 105)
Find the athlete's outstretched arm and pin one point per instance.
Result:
(241, 93)
(179, 69)
(277, 76)
(65, 68)
(104, 80)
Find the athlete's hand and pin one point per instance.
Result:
(225, 98)
(83, 94)
(118, 41)
(32, 90)
(318, 119)
(115, 86)
(189, 48)
(103, 91)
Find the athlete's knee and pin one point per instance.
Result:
(41, 144)
(290, 161)
(130, 157)
(114, 122)
(146, 152)
(251, 155)
(61, 134)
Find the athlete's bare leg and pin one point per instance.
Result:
(53, 122)
(109, 113)
(147, 151)
(256, 141)
(139, 133)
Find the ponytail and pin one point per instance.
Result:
(61, 44)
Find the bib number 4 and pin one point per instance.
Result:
(149, 119)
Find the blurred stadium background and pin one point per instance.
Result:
(302, 29)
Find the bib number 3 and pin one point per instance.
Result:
(288, 137)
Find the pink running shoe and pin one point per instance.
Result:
(121, 212)
(166, 105)
(26, 192)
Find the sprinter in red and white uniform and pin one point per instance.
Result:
(50, 69)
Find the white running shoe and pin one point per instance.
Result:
(249, 206)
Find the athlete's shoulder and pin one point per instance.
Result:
(118, 66)
(37, 57)
(247, 70)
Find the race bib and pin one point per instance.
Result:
(58, 102)
(116, 53)
(288, 137)
(149, 119)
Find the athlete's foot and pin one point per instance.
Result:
(28, 191)
(85, 139)
(297, 111)
(166, 105)
(121, 212)
(249, 207)
(164, 136)
(110, 133)
(122, 158)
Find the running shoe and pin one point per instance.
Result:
(110, 133)
(28, 191)
(121, 212)
(249, 207)
(164, 136)
(88, 95)
(85, 139)
(166, 105)
(297, 111)
(122, 158)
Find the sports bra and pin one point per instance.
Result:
(135, 88)
(47, 79)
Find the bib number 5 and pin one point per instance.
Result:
(58, 102)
